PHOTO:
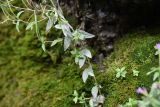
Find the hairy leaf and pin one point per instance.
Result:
(49, 25)
(85, 76)
(90, 71)
(58, 26)
(67, 42)
(75, 93)
(87, 72)
(66, 30)
(17, 26)
(30, 26)
(86, 35)
(101, 99)
(19, 13)
(76, 60)
(82, 61)
(94, 91)
(43, 47)
(56, 41)
(91, 103)
(87, 53)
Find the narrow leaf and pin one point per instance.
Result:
(101, 99)
(87, 53)
(17, 26)
(118, 75)
(66, 30)
(123, 74)
(49, 25)
(91, 103)
(157, 52)
(123, 68)
(67, 42)
(75, 93)
(58, 26)
(18, 15)
(54, 19)
(82, 61)
(30, 26)
(90, 71)
(85, 76)
(56, 41)
(152, 70)
(75, 100)
(156, 75)
(76, 60)
(94, 91)
(86, 35)
(43, 47)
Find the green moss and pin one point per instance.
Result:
(133, 51)
(31, 78)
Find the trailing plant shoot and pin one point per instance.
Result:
(52, 13)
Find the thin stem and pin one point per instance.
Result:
(25, 3)
(159, 62)
(29, 9)
(48, 41)
(159, 56)
(52, 3)
(10, 8)
(36, 25)
(94, 77)
(4, 21)
(5, 12)
(29, 3)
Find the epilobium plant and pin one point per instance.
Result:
(51, 13)
(150, 99)
(156, 70)
(79, 99)
(130, 103)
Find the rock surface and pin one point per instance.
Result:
(109, 18)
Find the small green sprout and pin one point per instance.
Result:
(135, 73)
(121, 72)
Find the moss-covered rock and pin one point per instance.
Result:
(134, 51)
(31, 78)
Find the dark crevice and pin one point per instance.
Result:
(108, 19)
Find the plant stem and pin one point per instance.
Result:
(159, 56)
